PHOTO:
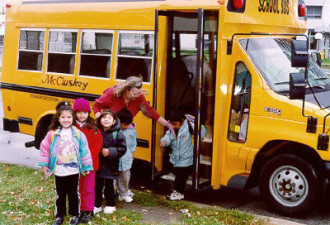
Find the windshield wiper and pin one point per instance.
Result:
(318, 86)
(321, 78)
(287, 82)
(283, 82)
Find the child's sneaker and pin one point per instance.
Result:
(176, 196)
(125, 198)
(58, 220)
(86, 217)
(97, 209)
(74, 220)
(109, 209)
(130, 194)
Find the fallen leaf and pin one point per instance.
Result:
(125, 219)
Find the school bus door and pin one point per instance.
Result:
(190, 77)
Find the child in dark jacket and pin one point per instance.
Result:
(114, 146)
(86, 124)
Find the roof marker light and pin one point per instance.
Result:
(8, 5)
(238, 4)
(302, 10)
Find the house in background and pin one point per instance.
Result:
(318, 22)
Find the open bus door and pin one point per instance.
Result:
(190, 79)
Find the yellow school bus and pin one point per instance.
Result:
(240, 67)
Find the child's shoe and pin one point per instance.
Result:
(58, 220)
(82, 214)
(109, 209)
(125, 198)
(88, 215)
(130, 194)
(74, 220)
(176, 196)
(97, 209)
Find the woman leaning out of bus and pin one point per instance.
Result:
(128, 95)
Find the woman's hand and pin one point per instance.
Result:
(105, 152)
(167, 124)
(162, 144)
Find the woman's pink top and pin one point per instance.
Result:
(109, 101)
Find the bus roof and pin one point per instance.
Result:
(282, 17)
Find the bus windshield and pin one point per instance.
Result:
(273, 59)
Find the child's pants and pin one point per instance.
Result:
(181, 177)
(123, 182)
(109, 192)
(87, 191)
(68, 185)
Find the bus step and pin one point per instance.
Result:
(29, 144)
(171, 177)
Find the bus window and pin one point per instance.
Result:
(96, 53)
(62, 51)
(135, 52)
(240, 104)
(31, 47)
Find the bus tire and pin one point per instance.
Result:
(290, 185)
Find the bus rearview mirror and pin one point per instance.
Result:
(297, 86)
(299, 53)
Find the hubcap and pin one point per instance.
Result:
(288, 186)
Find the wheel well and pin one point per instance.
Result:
(278, 147)
(41, 130)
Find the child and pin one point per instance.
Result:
(125, 162)
(64, 152)
(114, 146)
(86, 124)
(182, 150)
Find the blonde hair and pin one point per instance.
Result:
(130, 83)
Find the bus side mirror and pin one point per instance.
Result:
(317, 58)
(299, 53)
(297, 86)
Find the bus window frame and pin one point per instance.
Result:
(131, 56)
(65, 53)
(41, 51)
(240, 112)
(81, 53)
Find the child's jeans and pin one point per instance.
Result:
(123, 182)
(87, 191)
(64, 186)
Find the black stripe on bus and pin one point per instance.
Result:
(57, 93)
(84, 1)
(49, 91)
(25, 120)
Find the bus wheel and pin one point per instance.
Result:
(290, 185)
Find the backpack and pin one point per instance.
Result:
(190, 119)
(114, 137)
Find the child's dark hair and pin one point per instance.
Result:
(125, 116)
(60, 107)
(90, 123)
(104, 113)
(176, 115)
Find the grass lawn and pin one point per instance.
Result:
(26, 197)
(326, 61)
